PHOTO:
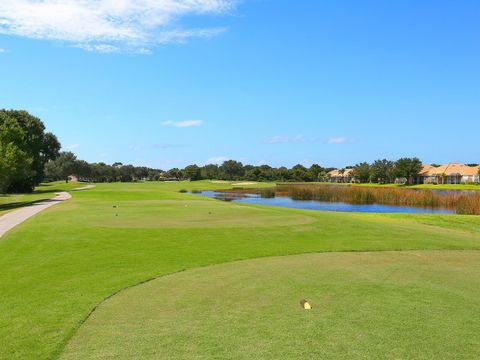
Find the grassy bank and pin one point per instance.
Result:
(57, 266)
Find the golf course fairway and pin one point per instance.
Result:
(179, 276)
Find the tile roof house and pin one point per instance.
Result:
(452, 173)
(340, 176)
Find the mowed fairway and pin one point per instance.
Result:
(56, 267)
(403, 305)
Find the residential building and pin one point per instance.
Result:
(340, 176)
(452, 173)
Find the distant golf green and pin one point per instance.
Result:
(57, 266)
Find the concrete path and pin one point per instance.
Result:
(86, 187)
(12, 219)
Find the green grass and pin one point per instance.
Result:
(42, 192)
(403, 305)
(56, 267)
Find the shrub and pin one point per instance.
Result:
(267, 193)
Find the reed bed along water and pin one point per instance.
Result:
(461, 203)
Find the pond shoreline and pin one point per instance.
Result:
(252, 196)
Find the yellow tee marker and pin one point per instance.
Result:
(305, 305)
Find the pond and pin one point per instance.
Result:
(285, 201)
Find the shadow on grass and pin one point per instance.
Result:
(20, 204)
(49, 191)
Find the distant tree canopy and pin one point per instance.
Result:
(380, 171)
(29, 155)
(192, 172)
(361, 172)
(232, 170)
(25, 148)
(67, 164)
(408, 168)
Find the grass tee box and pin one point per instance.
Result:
(59, 265)
(402, 305)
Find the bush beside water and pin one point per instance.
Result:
(267, 193)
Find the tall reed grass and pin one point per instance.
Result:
(461, 203)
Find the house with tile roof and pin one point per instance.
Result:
(340, 176)
(451, 173)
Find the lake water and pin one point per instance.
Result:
(284, 201)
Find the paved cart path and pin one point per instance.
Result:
(14, 218)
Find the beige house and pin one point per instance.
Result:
(452, 173)
(340, 176)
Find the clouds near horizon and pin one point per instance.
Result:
(108, 26)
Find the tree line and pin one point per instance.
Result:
(66, 165)
(387, 171)
(29, 155)
(380, 171)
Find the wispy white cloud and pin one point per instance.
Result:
(182, 124)
(217, 160)
(108, 25)
(283, 139)
(2, 51)
(100, 48)
(337, 140)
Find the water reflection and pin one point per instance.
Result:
(284, 201)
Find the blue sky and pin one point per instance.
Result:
(262, 81)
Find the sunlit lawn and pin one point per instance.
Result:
(56, 267)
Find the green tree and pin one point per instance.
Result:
(62, 167)
(300, 173)
(316, 171)
(34, 144)
(361, 172)
(210, 172)
(232, 170)
(192, 172)
(14, 162)
(174, 173)
(253, 174)
(382, 171)
(408, 168)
